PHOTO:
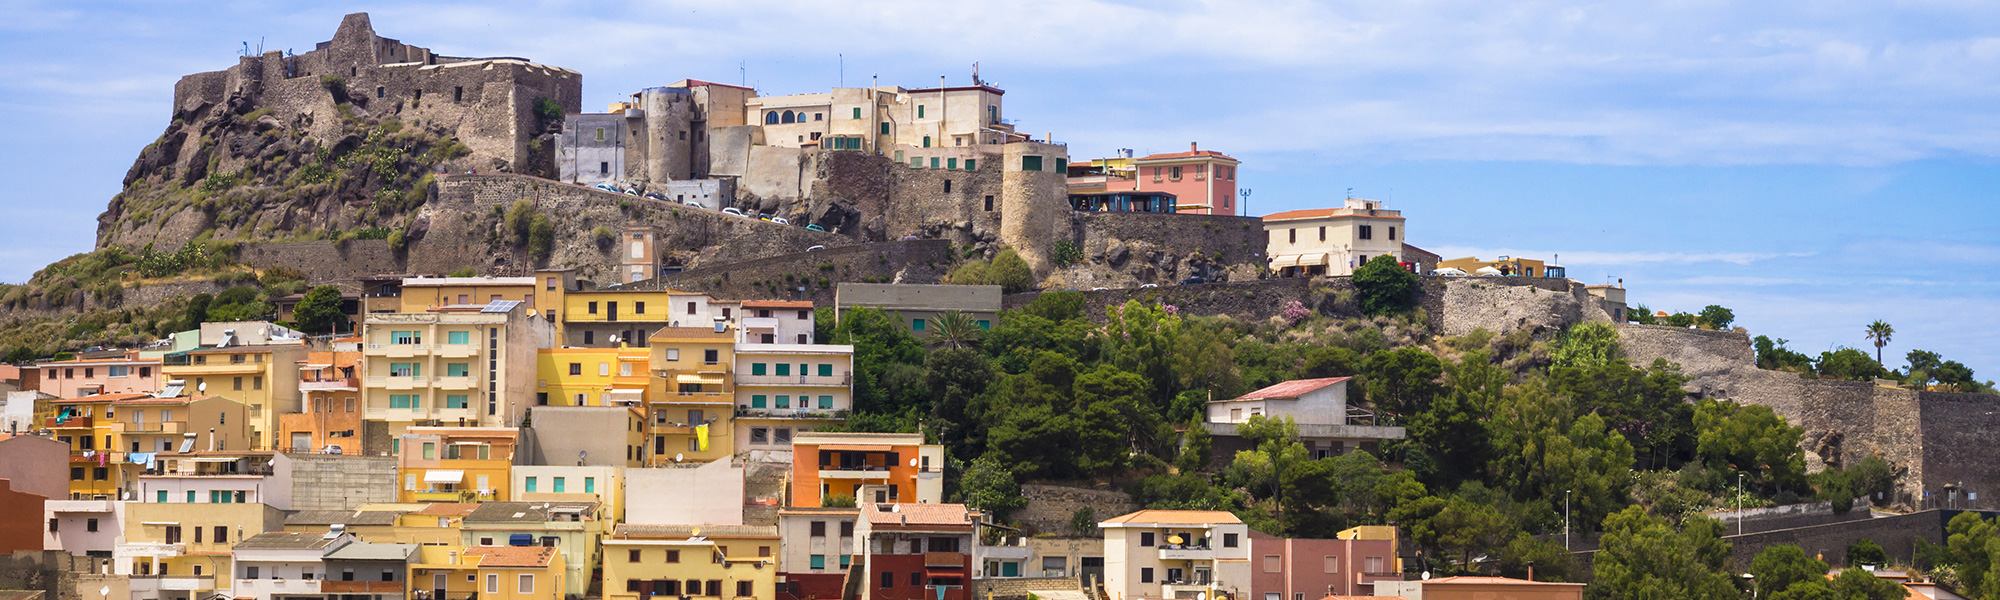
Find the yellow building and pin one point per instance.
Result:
(1508, 266)
(264, 377)
(455, 464)
(605, 318)
(726, 561)
(423, 294)
(591, 376)
(106, 431)
(189, 539)
(787, 389)
(519, 572)
(690, 402)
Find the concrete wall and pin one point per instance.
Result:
(584, 159)
(341, 482)
(36, 465)
(1019, 588)
(561, 433)
(59, 576)
(711, 494)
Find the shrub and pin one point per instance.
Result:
(603, 236)
(1385, 287)
(548, 109)
(1011, 273)
(465, 272)
(1296, 311)
(1066, 253)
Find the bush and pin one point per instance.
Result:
(465, 272)
(1066, 253)
(1385, 287)
(548, 109)
(603, 236)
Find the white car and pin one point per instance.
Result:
(732, 211)
(780, 221)
(1149, 285)
(816, 248)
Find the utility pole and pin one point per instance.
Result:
(1566, 519)
(1739, 503)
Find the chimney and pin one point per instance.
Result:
(1531, 571)
(1193, 147)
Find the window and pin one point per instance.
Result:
(1146, 575)
(589, 337)
(250, 572)
(454, 401)
(818, 561)
(920, 112)
(239, 384)
(1229, 540)
(968, 164)
(757, 368)
(90, 525)
(826, 402)
(402, 401)
(711, 356)
(590, 485)
(405, 337)
(1392, 232)
(603, 369)
(492, 583)
(1322, 234)
(1293, 236)
(456, 370)
(673, 556)
(1200, 172)
(818, 529)
(916, 578)
(458, 337)
(1173, 173)
(1031, 163)
(1330, 564)
(1274, 563)
(221, 534)
(576, 368)
(1366, 232)
(934, 160)
(916, 324)
(947, 182)
(743, 587)
(888, 579)
(430, 450)
(1372, 564)
(1146, 539)
(638, 308)
(559, 485)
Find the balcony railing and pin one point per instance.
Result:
(1186, 553)
(944, 559)
(329, 384)
(452, 496)
(66, 423)
(844, 378)
(790, 413)
(360, 587)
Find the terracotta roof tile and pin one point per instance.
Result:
(1177, 517)
(1292, 389)
(1322, 213)
(914, 515)
(513, 556)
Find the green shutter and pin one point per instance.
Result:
(757, 401)
(920, 111)
(826, 369)
(756, 368)
(784, 369)
(951, 163)
(826, 401)
(916, 324)
(857, 112)
(934, 162)
(885, 128)
(1031, 163)
(784, 401)
(968, 164)
(1062, 165)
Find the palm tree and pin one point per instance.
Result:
(954, 330)
(1879, 333)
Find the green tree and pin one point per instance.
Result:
(319, 311)
(1865, 551)
(1848, 363)
(954, 330)
(1587, 346)
(1196, 447)
(1541, 449)
(541, 237)
(1455, 527)
(1083, 522)
(880, 343)
(1548, 560)
(989, 486)
(1642, 556)
(955, 378)
(1649, 406)
(1403, 381)
(1010, 272)
(1974, 544)
(1716, 317)
(1452, 432)
(1773, 355)
(1780, 567)
(1879, 333)
(1750, 439)
(1858, 584)
(196, 311)
(1385, 287)
(1643, 315)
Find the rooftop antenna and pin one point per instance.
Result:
(743, 73)
(245, 51)
(975, 74)
(843, 69)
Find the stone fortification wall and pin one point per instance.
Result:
(1131, 249)
(459, 224)
(328, 262)
(1019, 588)
(1034, 205)
(1829, 541)
(1503, 304)
(1249, 300)
(57, 574)
(780, 277)
(881, 199)
(1959, 447)
(1050, 507)
(341, 482)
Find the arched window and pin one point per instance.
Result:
(770, 118)
(788, 118)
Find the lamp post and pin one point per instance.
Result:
(1566, 519)
(1739, 503)
(1245, 204)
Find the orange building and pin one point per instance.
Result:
(1480, 588)
(330, 383)
(866, 467)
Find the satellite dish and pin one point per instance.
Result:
(612, 339)
(696, 532)
(913, 462)
(201, 387)
(104, 591)
(1427, 575)
(677, 457)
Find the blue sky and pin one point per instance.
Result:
(1812, 165)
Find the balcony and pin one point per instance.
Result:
(790, 413)
(671, 430)
(152, 427)
(457, 351)
(213, 368)
(1186, 553)
(80, 506)
(265, 588)
(360, 587)
(841, 379)
(944, 559)
(69, 423)
(396, 350)
(397, 383)
(826, 472)
(182, 583)
(344, 384)
(461, 382)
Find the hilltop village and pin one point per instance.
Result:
(373, 323)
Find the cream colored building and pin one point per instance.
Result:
(787, 389)
(471, 365)
(252, 362)
(1333, 241)
(1176, 554)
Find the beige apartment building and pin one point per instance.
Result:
(787, 389)
(1176, 554)
(919, 306)
(252, 362)
(469, 365)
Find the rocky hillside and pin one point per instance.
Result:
(237, 171)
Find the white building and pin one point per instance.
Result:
(238, 477)
(281, 564)
(1333, 241)
(1327, 424)
(1176, 554)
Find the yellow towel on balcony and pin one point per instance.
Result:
(701, 436)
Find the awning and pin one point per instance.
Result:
(701, 379)
(1288, 260)
(1311, 260)
(444, 476)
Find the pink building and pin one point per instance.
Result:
(94, 373)
(1203, 180)
(1310, 569)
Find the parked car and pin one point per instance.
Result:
(606, 187)
(631, 193)
(816, 248)
(1194, 280)
(732, 211)
(780, 221)
(815, 227)
(1149, 285)
(909, 238)
(656, 196)
(1098, 289)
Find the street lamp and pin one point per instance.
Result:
(1245, 204)
(1739, 503)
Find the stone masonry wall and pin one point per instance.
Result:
(780, 277)
(1018, 588)
(341, 482)
(1130, 249)
(1050, 507)
(1959, 446)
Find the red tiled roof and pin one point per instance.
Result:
(1293, 388)
(1189, 154)
(914, 515)
(1176, 517)
(777, 304)
(1321, 213)
(1478, 580)
(513, 556)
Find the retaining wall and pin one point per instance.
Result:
(341, 482)
(1050, 507)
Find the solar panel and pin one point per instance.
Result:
(500, 306)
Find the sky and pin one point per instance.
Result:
(1813, 166)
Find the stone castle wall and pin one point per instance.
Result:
(780, 277)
